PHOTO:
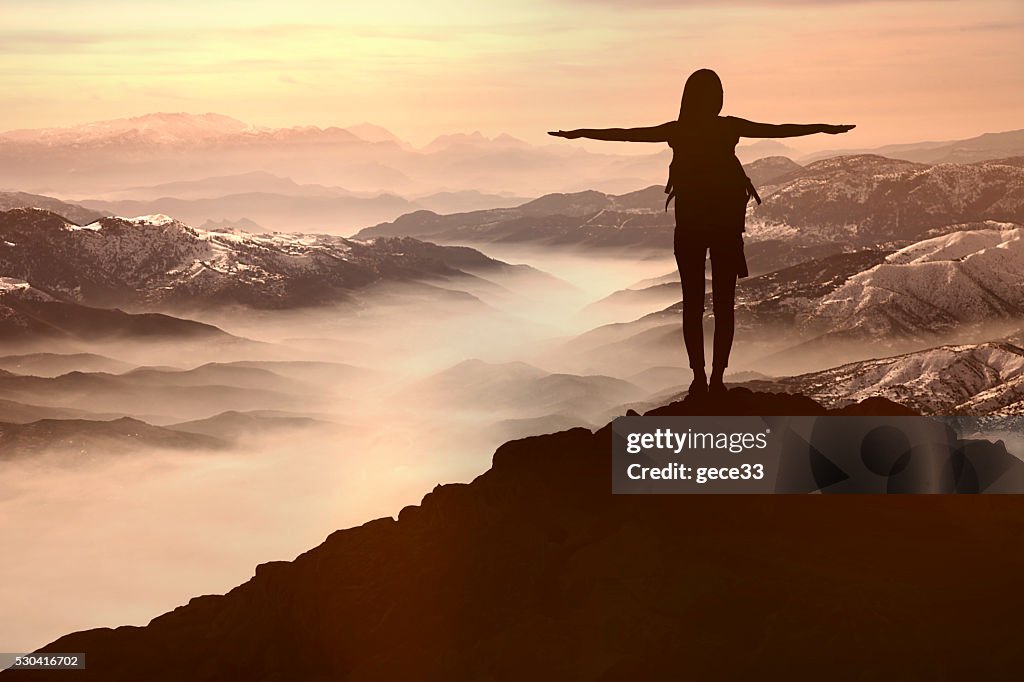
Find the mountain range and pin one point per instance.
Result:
(831, 205)
(160, 148)
(967, 277)
(158, 262)
(338, 179)
(588, 218)
(980, 379)
(827, 207)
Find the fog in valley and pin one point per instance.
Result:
(351, 415)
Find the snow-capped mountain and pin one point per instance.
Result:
(981, 379)
(790, 296)
(931, 287)
(158, 261)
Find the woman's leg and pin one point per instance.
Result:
(724, 271)
(690, 256)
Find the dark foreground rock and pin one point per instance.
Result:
(534, 571)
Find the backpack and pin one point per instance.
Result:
(670, 189)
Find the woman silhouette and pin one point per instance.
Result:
(711, 192)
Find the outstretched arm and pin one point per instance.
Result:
(752, 129)
(650, 134)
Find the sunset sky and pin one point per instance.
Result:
(902, 70)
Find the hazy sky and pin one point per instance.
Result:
(901, 70)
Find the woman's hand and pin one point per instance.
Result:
(567, 134)
(835, 130)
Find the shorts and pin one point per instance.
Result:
(726, 248)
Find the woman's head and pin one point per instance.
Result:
(702, 95)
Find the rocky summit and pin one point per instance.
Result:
(536, 571)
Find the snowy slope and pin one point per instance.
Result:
(971, 379)
(158, 260)
(932, 286)
(1007, 398)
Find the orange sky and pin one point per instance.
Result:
(901, 70)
